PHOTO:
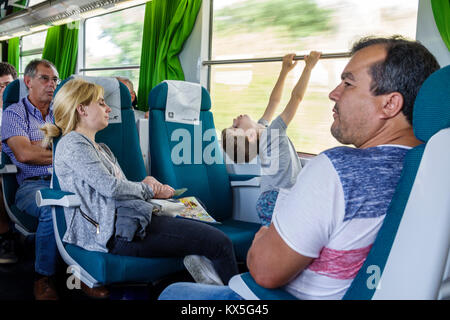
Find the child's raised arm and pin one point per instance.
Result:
(277, 91)
(299, 90)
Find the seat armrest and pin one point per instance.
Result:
(240, 180)
(245, 286)
(8, 168)
(50, 197)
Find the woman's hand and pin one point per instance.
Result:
(160, 191)
(166, 192)
(154, 184)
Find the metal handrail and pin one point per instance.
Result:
(110, 68)
(274, 59)
(232, 61)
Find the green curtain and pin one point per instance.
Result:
(14, 43)
(441, 12)
(14, 52)
(61, 48)
(167, 25)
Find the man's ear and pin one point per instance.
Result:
(393, 105)
(27, 81)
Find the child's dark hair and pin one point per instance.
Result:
(233, 154)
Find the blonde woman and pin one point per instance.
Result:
(90, 170)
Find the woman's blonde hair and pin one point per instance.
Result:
(73, 93)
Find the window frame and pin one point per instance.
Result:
(211, 62)
(81, 66)
(28, 53)
(229, 62)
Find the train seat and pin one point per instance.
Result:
(410, 256)
(189, 156)
(24, 223)
(98, 268)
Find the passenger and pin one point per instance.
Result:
(20, 131)
(7, 244)
(280, 163)
(91, 171)
(139, 114)
(324, 227)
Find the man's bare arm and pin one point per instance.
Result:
(29, 152)
(271, 262)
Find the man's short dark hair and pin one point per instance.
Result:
(30, 69)
(7, 69)
(407, 65)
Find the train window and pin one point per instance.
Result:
(113, 44)
(264, 29)
(31, 48)
(34, 2)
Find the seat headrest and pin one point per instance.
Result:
(15, 91)
(432, 106)
(158, 97)
(115, 94)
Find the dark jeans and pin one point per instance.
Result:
(174, 237)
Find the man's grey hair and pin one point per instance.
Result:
(30, 69)
(126, 80)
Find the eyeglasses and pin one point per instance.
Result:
(4, 84)
(45, 79)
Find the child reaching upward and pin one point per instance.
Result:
(246, 138)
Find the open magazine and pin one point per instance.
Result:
(187, 207)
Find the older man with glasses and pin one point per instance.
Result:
(21, 137)
(22, 140)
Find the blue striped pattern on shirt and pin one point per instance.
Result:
(368, 176)
(23, 119)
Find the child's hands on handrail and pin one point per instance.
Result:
(288, 63)
(312, 58)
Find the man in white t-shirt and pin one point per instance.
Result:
(324, 226)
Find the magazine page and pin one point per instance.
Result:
(194, 210)
(187, 207)
(162, 207)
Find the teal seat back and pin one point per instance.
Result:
(122, 138)
(12, 94)
(189, 156)
(123, 141)
(105, 268)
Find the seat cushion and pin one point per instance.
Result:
(109, 268)
(241, 233)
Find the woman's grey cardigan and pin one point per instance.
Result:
(83, 170)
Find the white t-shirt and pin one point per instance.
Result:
(317, 219)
